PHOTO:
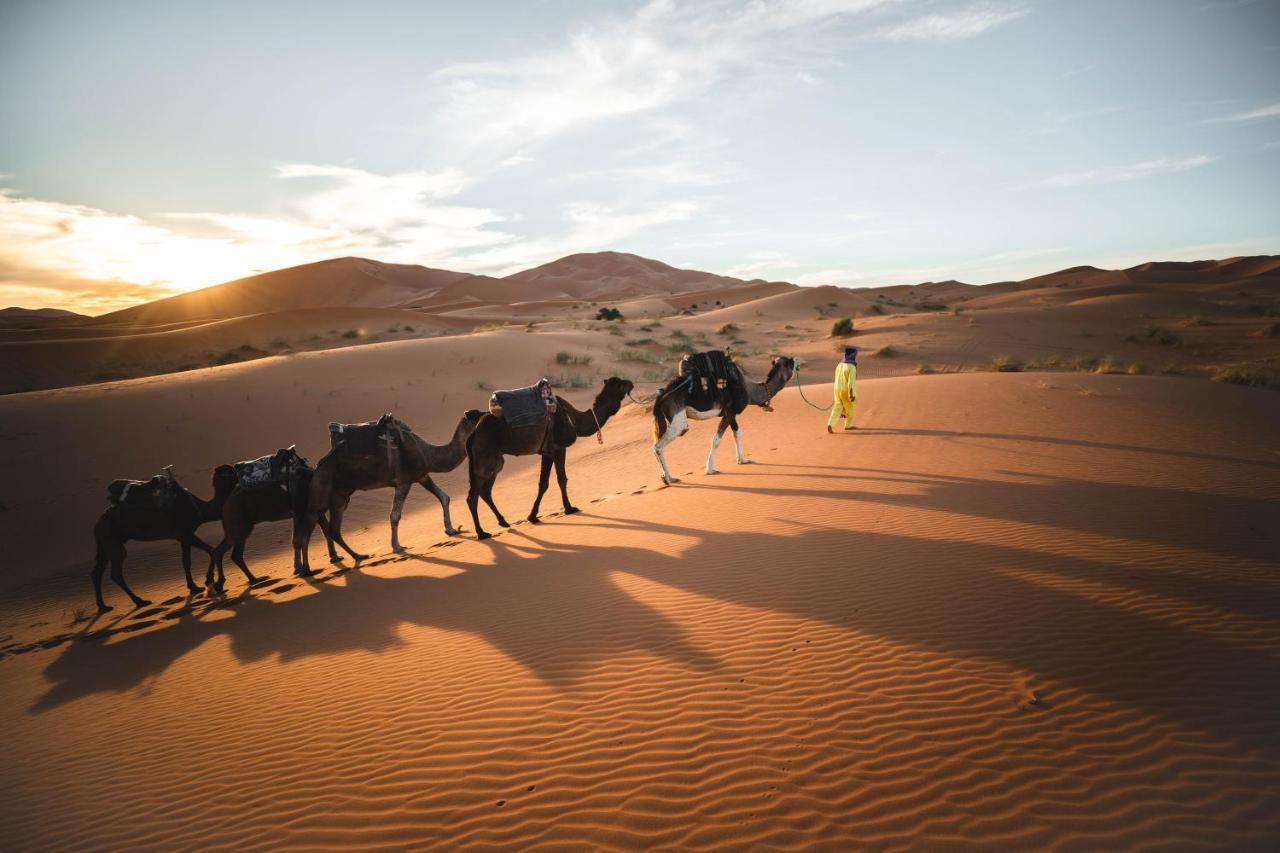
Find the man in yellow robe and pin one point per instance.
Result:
(846, 391)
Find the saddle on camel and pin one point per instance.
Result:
(281, 468)
(523, 407)
(159, 492)
(368, 437)
(709, 376)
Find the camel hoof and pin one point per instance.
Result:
(103, 608)
(744, 462)
(502, 522)
(336, 558)
(710, 473)
(141, 602)
(194, 590)
(398, 549)
(570, 510)
(483, 535)
(304, 573)
(452, 531)
(359, 557)
(533, 519)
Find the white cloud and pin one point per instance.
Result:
(60, 253)
(953, 26)
(764, 265)
(1270, 111)
(1120, 174)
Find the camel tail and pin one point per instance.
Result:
(659, 416)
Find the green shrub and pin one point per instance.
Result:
(608, 314)
(1005, 364)
(1241, 374)
(885, 352)
(570, 358)
(1110, 365)
(1163, 336)
(842, 328)
(629, 354)
(923, 367)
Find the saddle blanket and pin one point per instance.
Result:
(160, 492)
(359, 438)
(523, 407)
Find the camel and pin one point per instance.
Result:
(246, 508)
(122, 522)
(342, 472)
(494, 438)
(672, 410)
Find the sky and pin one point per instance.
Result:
(148, 148)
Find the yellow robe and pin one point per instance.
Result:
(846, 394)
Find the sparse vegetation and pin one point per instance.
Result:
(244, 352)
(570, 358)
(641, 342)
(1110, 365)
(1084, 363)
(629, 354)
(351, 333)
(885, 352)
(1243, 374)
(1163, 336)
(608, 314)
(1005, 364)
(1197, 320)
(1136, 368)
(614, 329)
(931, 306)
(680, 347)
(1048, 361)
(924, 367)
(842, 328)
(575, 380)
(726, 329)
(876, 308)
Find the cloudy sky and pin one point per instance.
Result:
(152, 147)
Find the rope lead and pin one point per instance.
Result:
(800, 388)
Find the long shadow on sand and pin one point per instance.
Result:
(556, 611)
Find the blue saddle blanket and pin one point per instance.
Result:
(522, 407)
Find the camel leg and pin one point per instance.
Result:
(487, 494)
(99, 568)
(237, 557)
(215, 564)
(186, 567)
(397, 510)
(303, 524)
(473, 504)
(442, 496)
(544, 478)
(334, 532)
(715, 443)
(194, 541)
(563, 479)
(737, 440)
(117, 575)
(676, 427)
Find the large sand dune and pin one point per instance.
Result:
(1013, 611)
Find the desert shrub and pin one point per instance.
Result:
(876, 308)
(1242, 374)
(640, 342)
(726, 329)
(1084, 363)
(1136, 368)
(842, 328)
(1197, 320)
(608, 314)
(1171, 368)
(351, 333)
(1005, 364)
(570, 358)
(680, 347)
(1163, 336)
(244, 352)
(931, 306)
(629, 354)
(885, 352)
(1110, 365)
(575, 380)
(1048, 361)
(923, 367)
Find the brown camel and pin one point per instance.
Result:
(679, 401)
(342, 472)
(495, 438)
(146, 522)
(246, 508)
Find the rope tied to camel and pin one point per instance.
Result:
(800, 388)
(599, 429)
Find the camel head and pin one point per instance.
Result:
(612, 393)
(783, 368)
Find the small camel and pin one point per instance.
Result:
(122, 522)
(246, 508)
(342, 472)
(673, 407)
(494, 438)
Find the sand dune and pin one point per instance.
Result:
(1014, 611)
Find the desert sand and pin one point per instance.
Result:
(1032, 609)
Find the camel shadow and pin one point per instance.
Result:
(557, 611)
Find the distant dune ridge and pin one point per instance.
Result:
(353, 301)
